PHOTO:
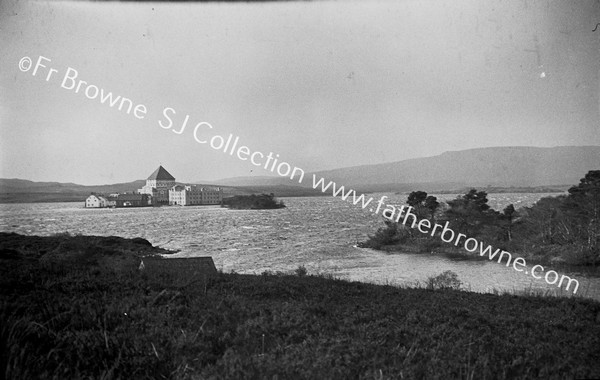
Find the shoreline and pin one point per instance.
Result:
(460, 256)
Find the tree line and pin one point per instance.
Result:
(564, 228)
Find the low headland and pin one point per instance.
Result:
(81, 307)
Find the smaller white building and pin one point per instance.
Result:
(98, 201)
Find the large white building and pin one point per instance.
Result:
(189, 195)
(164, 190)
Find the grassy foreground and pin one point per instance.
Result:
(68, 313)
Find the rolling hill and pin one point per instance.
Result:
(482, 167)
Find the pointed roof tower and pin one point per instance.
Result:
(161, 174)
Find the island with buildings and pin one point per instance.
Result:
(160, 189)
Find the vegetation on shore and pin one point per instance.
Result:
(253, 202)
(63, 317)
(559, 230)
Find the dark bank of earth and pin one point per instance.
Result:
(75, 248)
(66, 312)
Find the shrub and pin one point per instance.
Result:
(444, 280)
(385, 236)
(301, 271)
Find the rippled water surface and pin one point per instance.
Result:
(317, 232)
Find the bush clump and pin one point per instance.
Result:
(444, 280)
(301, 271)
(389, 235)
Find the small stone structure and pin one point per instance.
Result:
(188, 269)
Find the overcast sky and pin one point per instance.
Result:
(322, 84)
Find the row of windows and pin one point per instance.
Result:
(193, 203)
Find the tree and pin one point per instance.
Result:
(542, 220)
(416, 198)
(567, 226)
(583, 205)
(508, 215)
(432, 205)
(477, 199)
(470, 213)
(424, 205)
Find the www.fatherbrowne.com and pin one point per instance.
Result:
(445, 233)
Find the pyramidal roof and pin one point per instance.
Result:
(161, 174)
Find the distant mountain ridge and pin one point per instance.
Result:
(19, 190)
(497, 166)
(505, 166)
(11, 185)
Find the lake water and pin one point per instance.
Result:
(319, 233)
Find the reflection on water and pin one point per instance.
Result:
(317, 232)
